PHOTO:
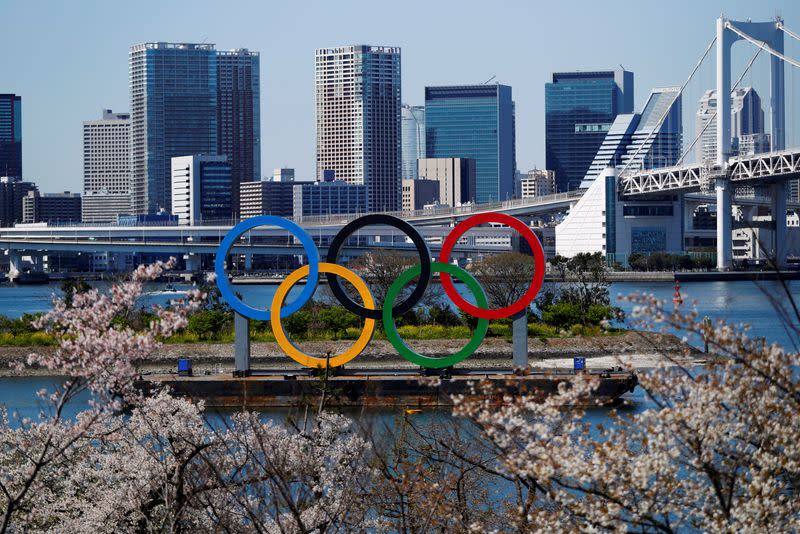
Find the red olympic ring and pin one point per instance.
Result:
(538, 274)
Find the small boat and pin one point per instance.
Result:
(412, 411)
(170, 288)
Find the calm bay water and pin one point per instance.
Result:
(736, 302)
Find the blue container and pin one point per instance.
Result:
(184, 367)
(578, 363)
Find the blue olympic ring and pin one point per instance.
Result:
(225, 247)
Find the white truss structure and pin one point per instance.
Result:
(767, 167)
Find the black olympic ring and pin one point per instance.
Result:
(422, 250)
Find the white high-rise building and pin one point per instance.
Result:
(201, 189)
(106, 168)
(413, 140)
(747, 120)
(358, 120)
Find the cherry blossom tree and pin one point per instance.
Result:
(719, 451)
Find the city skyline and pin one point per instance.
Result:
(94, 74)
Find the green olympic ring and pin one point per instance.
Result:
(391, 329)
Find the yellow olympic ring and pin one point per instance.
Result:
(289, 348)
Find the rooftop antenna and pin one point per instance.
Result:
(621, 66)
(490, 79)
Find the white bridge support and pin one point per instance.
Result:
(770, 33)
(724, 236)
(778, 193)
(14, 264)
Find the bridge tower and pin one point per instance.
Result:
(770, 33)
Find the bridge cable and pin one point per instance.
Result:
(787, 31)
(762, 44)
(667, 111)
(714, 115)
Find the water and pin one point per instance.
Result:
(737, 302)
(734, 301)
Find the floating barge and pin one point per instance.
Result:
(377, 387)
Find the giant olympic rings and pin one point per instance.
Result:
(419, 243)
(538, 273)
(230, 239)
(295, 353)
(368, 311)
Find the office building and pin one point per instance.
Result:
(328, 198)
(747, 119)
(100, 207)
(201, 189)
(266, 198)
(413, 133)
(477, 122)
(536, 183)
(656, 143)
(106, 168)
(12, 191)
(173, 89)
(10, 135)
(456, 177)
(239, 115)
(282, 174)
(752, 144)
(602, 222)
(419, 193)
(358, 120)
(637, 141)
(579, 110)
(51, 207)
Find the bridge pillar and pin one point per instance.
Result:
(724, 42)
(241, 345)
(14, 264)
(192, 262)
(724, 237)
(778, 191)
(519, 338)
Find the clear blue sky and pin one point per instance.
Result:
(69, 59)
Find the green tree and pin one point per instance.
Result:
(337, 320)
(207, 324)
(298, 324)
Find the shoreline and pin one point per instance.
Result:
(637, 350)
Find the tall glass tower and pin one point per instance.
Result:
(173, 89)
(413, 132)
(10, 135)
(474, 121)
(579, 110)
(239, 116)
(358, 120)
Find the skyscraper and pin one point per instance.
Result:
(641, 140)
(10, 135)
(579, 110)
(358, 120)
(413, 131)
(747, 123)
(12, 191)
(474, 121)
(106, 167)
(239, 116)
(173, 90)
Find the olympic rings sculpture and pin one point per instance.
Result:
(367, 310)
